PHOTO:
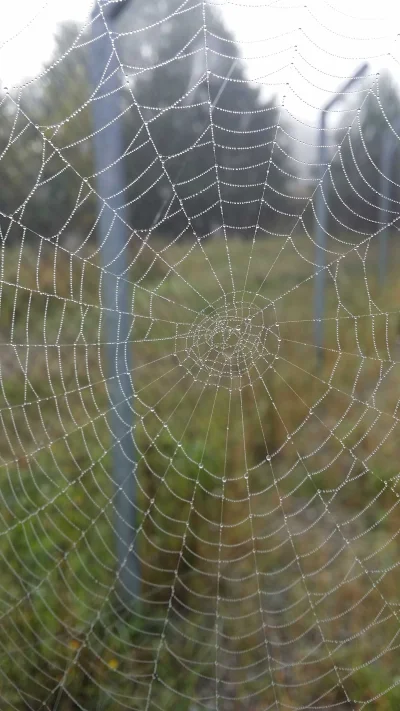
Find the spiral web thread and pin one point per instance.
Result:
(267, 533)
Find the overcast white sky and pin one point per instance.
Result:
(301, 49)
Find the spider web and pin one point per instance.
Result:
(265, 523)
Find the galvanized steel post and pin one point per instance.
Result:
(386, 167)
(113, 234)
(321, 226)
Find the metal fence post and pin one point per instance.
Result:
(322, 218)
(113, 235)
(387, 162)
(384, 202)
(321, 215)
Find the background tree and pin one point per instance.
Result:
(45, 144)
(201, 143)
(217, 158)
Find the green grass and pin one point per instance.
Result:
(62, 620)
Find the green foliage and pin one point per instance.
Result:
(62, 616)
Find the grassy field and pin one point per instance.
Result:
(267, 504)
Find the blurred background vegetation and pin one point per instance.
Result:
(287, 591)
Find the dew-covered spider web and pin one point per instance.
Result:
(259, 564)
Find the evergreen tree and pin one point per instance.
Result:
(209, 125)
(198, 137)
